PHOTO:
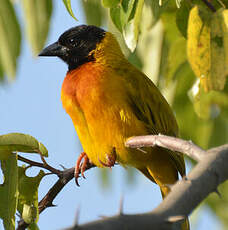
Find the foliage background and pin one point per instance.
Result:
(30, 103)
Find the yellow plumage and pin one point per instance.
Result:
(109, 100)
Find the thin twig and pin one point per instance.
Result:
(172, 143)
(67, 175)
(49, 167)
(31, 163)
(41, 165)
(47, 201)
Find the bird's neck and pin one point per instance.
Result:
(108, 52)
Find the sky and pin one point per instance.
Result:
(32, 105)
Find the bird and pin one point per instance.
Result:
(109, 100)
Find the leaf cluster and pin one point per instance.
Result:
(19, 191)
(37, 15)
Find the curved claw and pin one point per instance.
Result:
(80, 167)
(111, 159)
(84, 165)
(104, 164)
(76, 178)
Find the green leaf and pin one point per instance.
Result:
(171, 31)
(206, 48)
(110, 3)
(10, 39)
(67, 4)
(28, 195)
(129, 7)
(131, 30)
(4, 154)
(178, 3)
(37, 14)
(8, 192)
(158, 9)
(127, 17)
(33, 226)
(182, 17)
(176, 57)
(115, 14)
(123, 13)
(94, 12)
(21, 143)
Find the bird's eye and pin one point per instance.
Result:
(72, 42)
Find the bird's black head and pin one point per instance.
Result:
(75, 45)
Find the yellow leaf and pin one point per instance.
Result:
(224, 15)
(219, 59)
(206, 47)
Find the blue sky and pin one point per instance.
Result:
(32, 105)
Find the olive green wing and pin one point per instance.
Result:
(150, 107)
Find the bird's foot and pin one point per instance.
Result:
(110, 159)
(80, 166)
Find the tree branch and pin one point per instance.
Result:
(47, 201)
(67, 175)
(168, 142)
(193, 188)
(40, 165)
(185, 195)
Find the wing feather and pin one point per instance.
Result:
(150, 107)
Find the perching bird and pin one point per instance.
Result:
(109, 100)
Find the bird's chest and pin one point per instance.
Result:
(81, 89)
(96, 103)
(88, 100)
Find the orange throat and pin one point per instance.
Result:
(79, 83)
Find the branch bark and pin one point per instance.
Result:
(168, 142)
(185, 195)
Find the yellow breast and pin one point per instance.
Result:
(96, 102)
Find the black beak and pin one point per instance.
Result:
(54, 49)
